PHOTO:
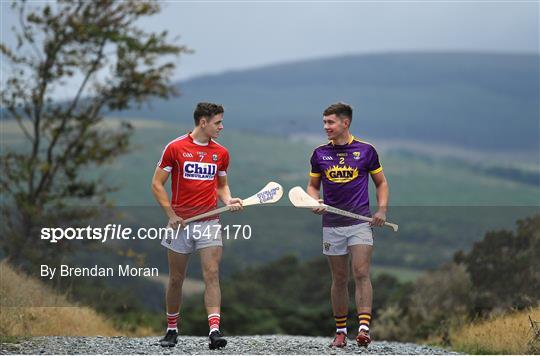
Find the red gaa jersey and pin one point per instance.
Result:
(195, 168)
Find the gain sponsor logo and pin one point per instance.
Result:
(199, 170)
(341, 174)
(267, 195)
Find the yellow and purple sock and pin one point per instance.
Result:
(341, 324)
(364, 319)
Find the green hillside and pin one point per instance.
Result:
(257, 159)
(442, 205)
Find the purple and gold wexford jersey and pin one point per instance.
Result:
(345, 170)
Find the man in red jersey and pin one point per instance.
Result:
(198, 165)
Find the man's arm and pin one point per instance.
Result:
(313, 190)
(381, 184)
(224, 194)
(158, 189)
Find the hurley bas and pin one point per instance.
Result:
(96, 271)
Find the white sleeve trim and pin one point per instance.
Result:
(167, 169)
(222, 173)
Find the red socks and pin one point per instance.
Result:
(172, 321)
(213, 322)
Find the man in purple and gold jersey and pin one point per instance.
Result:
(344, 166)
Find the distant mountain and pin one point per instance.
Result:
(486, 101)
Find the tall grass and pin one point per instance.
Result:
(30, 308)
(507, 334)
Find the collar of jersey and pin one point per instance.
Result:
(351, 139)
(197, 142)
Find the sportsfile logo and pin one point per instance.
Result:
(199, 170)
(267, 195)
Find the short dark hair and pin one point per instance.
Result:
(207, 110)
(340, 109)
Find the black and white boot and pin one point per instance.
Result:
(216, 340)
(170, 339)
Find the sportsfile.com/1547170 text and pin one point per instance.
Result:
(119, 232)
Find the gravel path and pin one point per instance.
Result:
(272, 344)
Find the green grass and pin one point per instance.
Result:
(7, 339)
(257, 159)
(403, 274)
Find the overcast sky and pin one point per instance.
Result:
(239, 35)
(236, 35)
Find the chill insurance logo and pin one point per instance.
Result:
(199, 170)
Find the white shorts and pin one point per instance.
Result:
(196, 235)
(336, 240)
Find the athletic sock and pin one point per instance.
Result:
(341, 324)
(172, 321)
(364, 319)
(213, 322)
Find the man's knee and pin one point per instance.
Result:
(211, 273)
(339, 278)
(361, 273)
(176, 279)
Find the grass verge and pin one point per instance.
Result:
(30, 308)
(507, 334)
